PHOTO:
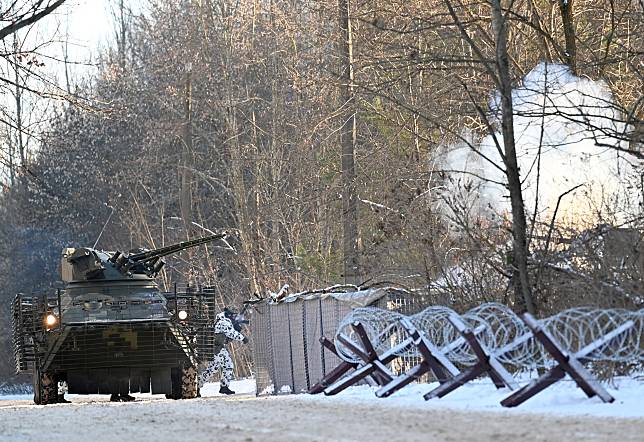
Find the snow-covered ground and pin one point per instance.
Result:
(563, 398)
(471, 413)
(243, 386)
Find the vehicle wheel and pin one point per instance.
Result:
(45, 388)
(189, 387)
(48, 389)
(36, 384)
(176, 379)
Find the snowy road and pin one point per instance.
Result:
(290, 418)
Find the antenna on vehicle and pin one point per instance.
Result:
(104, 225)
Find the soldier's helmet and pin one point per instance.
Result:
(230, 314)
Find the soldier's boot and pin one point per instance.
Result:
(121, 398)
(225, 390)
(61, 399)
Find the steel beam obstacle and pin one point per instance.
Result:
(500, 338)
(335, 374)
(372, 366)
(571, 364)
(487, 363)
(434, 360)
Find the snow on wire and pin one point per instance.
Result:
(499, 327)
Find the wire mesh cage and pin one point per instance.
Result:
(29, 318)
(194, 310)
(184, 327)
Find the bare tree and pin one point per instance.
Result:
(519, 225)
(21, 74)
(348, 135)
(20, 15)
(567, 17)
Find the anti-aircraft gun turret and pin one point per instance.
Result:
(111, 330)
(89, 264)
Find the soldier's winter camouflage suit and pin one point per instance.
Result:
(224, 333)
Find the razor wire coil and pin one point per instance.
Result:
(499, 328)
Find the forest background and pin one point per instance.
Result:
(325, 136)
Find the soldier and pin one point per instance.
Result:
(62, 389)
(226, 330)
(121, 398)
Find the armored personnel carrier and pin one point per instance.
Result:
(111, 330)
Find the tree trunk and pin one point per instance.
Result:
(18, 97)
(185, 199)
(348, 135)
(121, 38)
(566, 7)
(521, 279)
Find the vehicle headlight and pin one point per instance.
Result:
(183, 315)
(51, 320)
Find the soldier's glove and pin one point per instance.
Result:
(245, 340)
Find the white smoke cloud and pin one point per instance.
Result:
(565, 128)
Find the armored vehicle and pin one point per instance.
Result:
(111, 330)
